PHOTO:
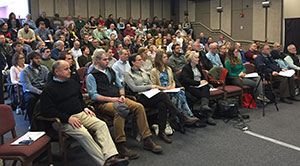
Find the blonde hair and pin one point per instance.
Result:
(97, 54)
(191, 55)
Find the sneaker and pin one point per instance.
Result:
(150, 145)
(168, 130)
(263, 98)
(125, 152)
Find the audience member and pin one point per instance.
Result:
(100, 35)
(6, 51)
(110, 20)
(29, 21)
(43, 19)
(177, 61)
(79, 23)
(56, 23)
(252, 53)
(122, 65)
(191, 77)
(27, 34)
(85, 58)
(213, 56)
(120, 25)
(43, 34)
(266, 64)
(76, 51)
(146, 62)
(46, 60)
(291, 57)
(129, 31)
(33, 79)
(106, 90)
(58, 95)
(111, 59)
(18, 64)
(111, 30)
(59, 46)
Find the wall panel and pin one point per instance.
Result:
(81, 8)
(157, 10)
(110, 8)
(121, 9)
(226, 16)
(62, 7)
(47, 6)
(93, 8)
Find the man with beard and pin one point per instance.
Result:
(291, 57)
(33, 79)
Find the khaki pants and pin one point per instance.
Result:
(137, 109)
(99, 149)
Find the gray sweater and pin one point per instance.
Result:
(137, 80)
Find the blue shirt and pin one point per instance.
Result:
(42, 33)
(92, 85)
(214, 59)
(120, 68)
(55, 54)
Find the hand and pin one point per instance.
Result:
(89, 112)
(75, 122)
(41, 91)
(122, 99)
(115, 99)
(254, 56)
(274, 73)
(203, 82)
(51, 41)
(242, 74)
(170, 87)
(247, 63)
(153, 87)
(283, 70)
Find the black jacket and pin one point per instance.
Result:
(187, 76)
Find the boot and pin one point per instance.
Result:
(186, 120)
(205, 104)
(162, 135)
(150, 145)
(125, 152)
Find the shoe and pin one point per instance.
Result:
(206, 108)
(294, 98)
(155, 128)
(164, 137)
(200, 124)
(125, 152)
(116, 161)
(150, 145)
(210, 121)
(263, 98)
(181, 128)
(187, 120)
(285, 100)
(168, 130)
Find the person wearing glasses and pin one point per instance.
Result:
(213, 55)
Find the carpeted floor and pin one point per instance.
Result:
(222, 145)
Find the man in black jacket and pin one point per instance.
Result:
(266, 64)
(62, 98)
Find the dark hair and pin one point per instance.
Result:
(25, 24)
(83, 48)
(11, 14)
(16, 57)
(44, 49)
(175, 45)
(62, 55)
(158, 60)
(33, 55)
(15, 44)
(132, 58)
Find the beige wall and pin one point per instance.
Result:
(87, 8)
(291, 8)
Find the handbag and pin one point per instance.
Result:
(227, 109)
(247, 98)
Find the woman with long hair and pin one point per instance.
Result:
(162, 76)
(236, 70)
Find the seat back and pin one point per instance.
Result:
(7, 120)
(82, 72)
(250, 68)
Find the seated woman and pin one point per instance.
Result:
(18, 62)
(162, 76)
(191, 77)
(236, 69)
(138, 81)
(15, 92)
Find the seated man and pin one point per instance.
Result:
(106, 91)
(62, 98)
(252, 53)
(33, 79)
(59, 46)
(177, 61)
(213, 56)
(266, 64)
(122, 65)
(291, 57)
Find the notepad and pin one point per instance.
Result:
(251, 75)
(29, 138)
